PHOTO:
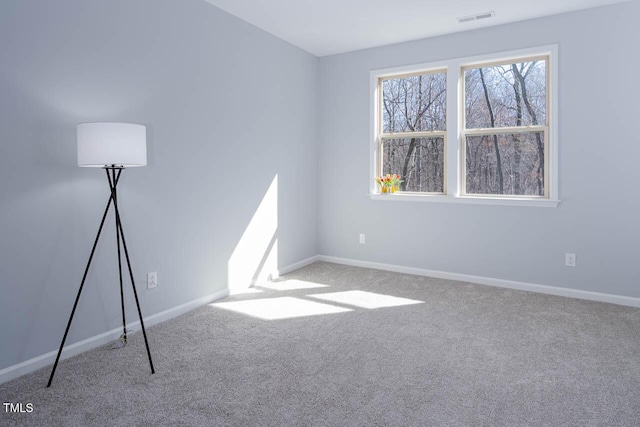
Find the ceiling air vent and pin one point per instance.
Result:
(477, 17)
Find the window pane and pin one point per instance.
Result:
(506, 95)
(510, 164)
(415, 103)
(420, 162)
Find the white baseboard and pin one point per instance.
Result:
(298, 265)
(522, 286)
(11, 372)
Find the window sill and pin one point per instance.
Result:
(512, 201)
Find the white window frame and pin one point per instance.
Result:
(454, 134)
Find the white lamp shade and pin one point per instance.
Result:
(107, 144)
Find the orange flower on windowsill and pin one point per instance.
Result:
(389, 183)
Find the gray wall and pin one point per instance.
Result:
(227, 108)
(599, 151)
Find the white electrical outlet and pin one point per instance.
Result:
(569, 260)
(362, 239)
(152, 280)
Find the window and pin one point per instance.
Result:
(412, 138)
(471, 130)
(505, 128)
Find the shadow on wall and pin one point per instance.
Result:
(255, 257)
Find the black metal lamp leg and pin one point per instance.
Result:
(113, 182)
(133, 283)
(113, 179)
(75, 304)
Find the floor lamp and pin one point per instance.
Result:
(112, 147)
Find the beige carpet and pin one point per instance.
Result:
(369, 348)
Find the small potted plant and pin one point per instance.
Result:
(389, 183)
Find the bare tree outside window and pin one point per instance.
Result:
(505, 128)
(425, 166)
(413, 130)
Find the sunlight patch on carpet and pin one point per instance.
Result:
(364, 299)
(279, 308)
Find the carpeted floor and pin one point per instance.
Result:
(441, 353)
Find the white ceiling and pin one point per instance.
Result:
(326, 27)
